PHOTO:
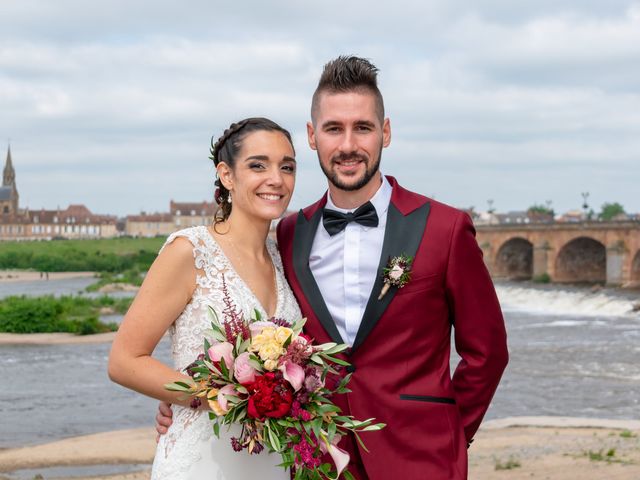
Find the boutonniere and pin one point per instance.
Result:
(396, 273)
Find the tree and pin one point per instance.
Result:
(610, 211)
(541, 210)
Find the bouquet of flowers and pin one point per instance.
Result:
(268, 377)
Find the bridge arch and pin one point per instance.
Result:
(635, 269)
(582, 260)
(514, 259)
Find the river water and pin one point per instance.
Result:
(573, 352)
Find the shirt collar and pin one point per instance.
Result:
(380, 200)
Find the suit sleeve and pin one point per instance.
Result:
(480, 336)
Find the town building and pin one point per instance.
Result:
(76, 221)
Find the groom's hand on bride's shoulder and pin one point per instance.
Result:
(163, 418)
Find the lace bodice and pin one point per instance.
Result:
(215, 274)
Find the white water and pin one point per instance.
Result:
(572, 302)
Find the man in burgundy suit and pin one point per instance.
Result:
(334, 252)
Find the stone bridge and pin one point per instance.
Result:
(587, 252)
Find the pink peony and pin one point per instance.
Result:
(243, 370)
(293, 373)
(221, 350)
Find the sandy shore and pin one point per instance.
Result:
(516, 448)
(32, 276)
(54, 338)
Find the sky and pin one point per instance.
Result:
(113, 104)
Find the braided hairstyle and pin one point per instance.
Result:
(226, 149)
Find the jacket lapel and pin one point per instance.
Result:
(406, 223)
(302, 241)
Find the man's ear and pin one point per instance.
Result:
(311, 136)
(386, 132)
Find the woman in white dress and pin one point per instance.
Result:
(202, 267)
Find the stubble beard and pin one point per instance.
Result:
(369, 172)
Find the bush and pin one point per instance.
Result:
(64, 314)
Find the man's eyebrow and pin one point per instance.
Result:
(366, 123)
(331, 123)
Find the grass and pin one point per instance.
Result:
(48, 314)
(628, 434)
(510, 464)
(131, 276)
(113, 255)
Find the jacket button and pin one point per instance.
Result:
(351, 368)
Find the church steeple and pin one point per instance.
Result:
(9, 176)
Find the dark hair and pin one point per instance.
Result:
(226, 149)
(348, 73)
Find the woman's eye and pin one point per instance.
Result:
(289, 168)
(256, 166)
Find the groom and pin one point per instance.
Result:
(334, 253)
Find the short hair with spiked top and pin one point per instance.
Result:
(348, 73)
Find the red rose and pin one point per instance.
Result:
(269, 396)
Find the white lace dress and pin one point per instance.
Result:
(189, 450)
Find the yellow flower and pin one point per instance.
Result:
(270, 365)
(282, 334)
(213, 403)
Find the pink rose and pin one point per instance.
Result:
(243, 370)
(222, 399)
(293, 373)
(396, 272)
(221, 350)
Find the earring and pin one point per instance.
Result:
(229, 197)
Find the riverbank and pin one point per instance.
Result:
(12, 276)
(54, 338)
(516, 448)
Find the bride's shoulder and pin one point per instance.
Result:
(196, 236)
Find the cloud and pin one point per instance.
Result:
(493, 97)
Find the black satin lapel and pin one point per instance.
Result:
(302, 241)
(403, 235)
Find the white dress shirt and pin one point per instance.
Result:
(345, 265)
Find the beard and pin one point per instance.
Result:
(370, 171)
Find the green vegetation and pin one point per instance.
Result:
(508, 465)
(600, 456)
(49, 314)
(542, 278)
(610, 210)
(541, 210)
(114, 255)
(132, 276)
(628, 434)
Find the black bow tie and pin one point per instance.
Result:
(335, 222)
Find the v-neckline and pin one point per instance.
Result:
(246, 286)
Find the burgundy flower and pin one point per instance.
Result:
(269, 396)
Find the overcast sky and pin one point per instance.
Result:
(113, 103)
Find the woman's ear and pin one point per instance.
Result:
(225, 174)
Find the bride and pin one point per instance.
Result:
(202, 267)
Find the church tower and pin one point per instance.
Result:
(9, 191)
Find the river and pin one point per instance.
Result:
(573, 352)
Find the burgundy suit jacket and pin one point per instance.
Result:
(400, 356)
